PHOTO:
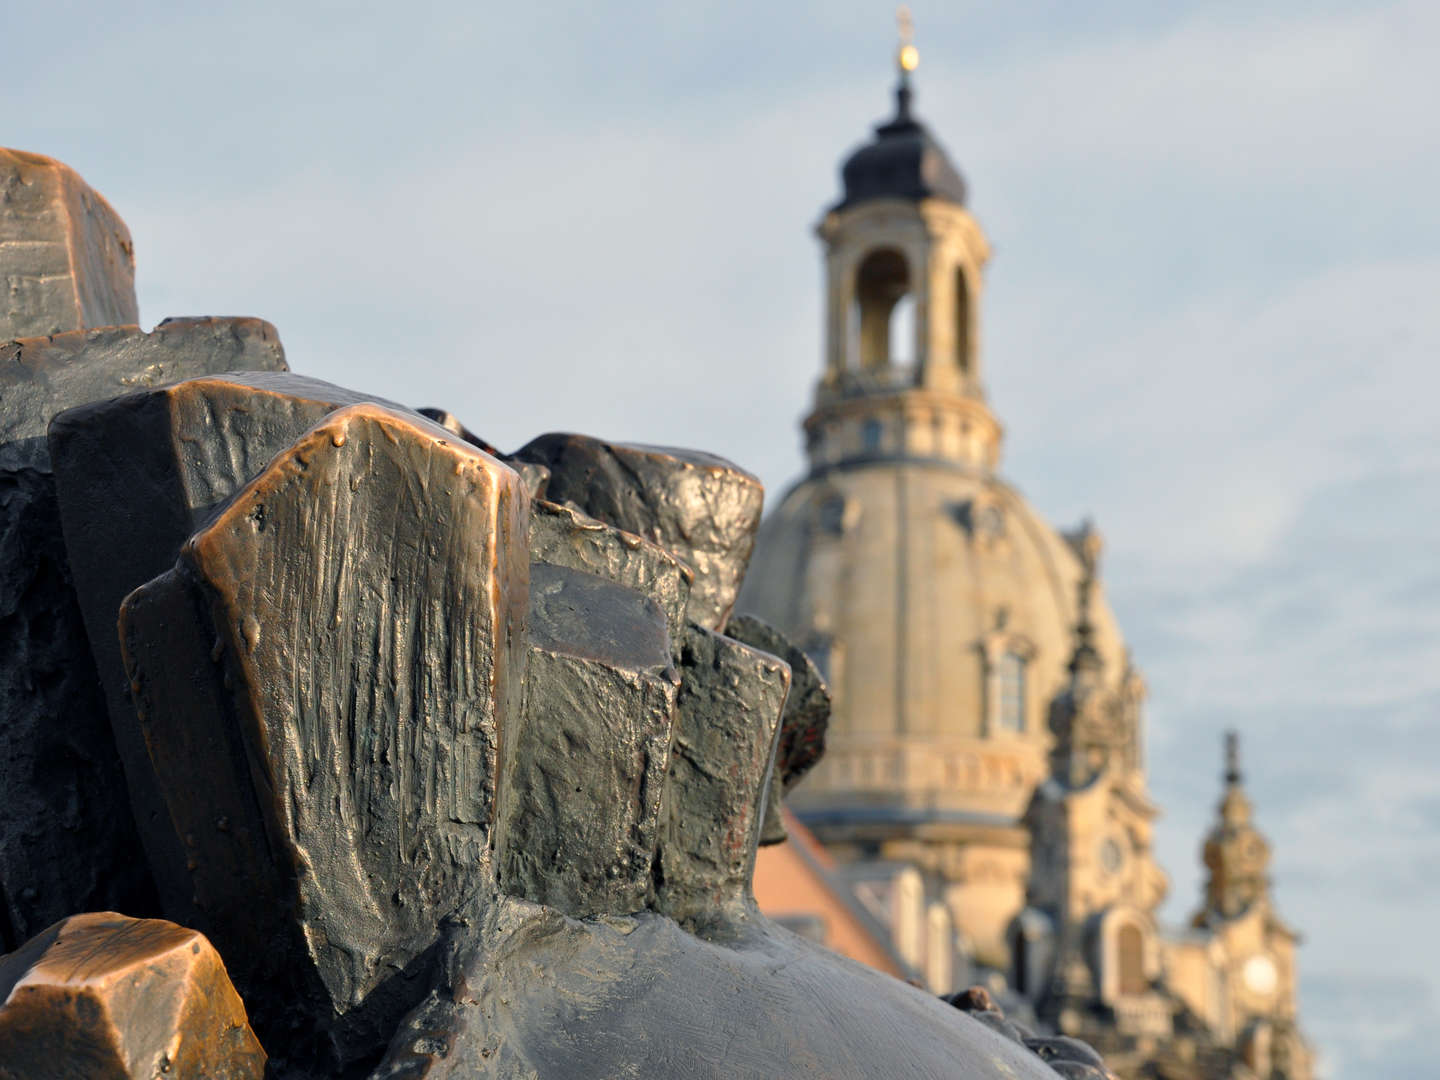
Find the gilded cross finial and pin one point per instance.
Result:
(908, 57)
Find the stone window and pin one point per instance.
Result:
(881, 282)
(1010, 694)
(962, 322)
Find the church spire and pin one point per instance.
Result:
(1083, 717)
(1236, 854)
(907, 59)
(1232, 759)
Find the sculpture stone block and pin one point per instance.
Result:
(584, 770)
(106, 997)
(66, 261)
(67, 840)
(806, 717)
(701, 507)
(366, 598)
(188, 447)
(562, 536)
(731, 697)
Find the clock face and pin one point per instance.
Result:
(1111, 856)
(1259, 975)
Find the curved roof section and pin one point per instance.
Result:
(903, 161)
(910, 567)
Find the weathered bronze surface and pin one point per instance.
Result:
(543, 997)
(731, 698)
(562, 536)
(365, 596)
(67, 840)
(535, 476)
(702, 508)
(105, 997)
(187, 447)
(803, 726)
(584, 770)
(66, 262)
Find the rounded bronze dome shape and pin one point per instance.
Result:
(550, 997)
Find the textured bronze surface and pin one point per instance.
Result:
(562, 536)
(543, 997)
(66, 261)
(804, 723)
(365, 596)
(105, 997)
(584, 771)
(40, 376)
(136, 475)
(806, 717)
(535, 476)
(67, 841)
(731, 697)
(702, 508)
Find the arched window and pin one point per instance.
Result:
(1130, 959)
(1010, 693)
(880, 283)
(962, 321)
(902, 331)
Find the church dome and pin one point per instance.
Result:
(943, 609)
(902, 161)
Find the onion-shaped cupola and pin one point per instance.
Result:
(903, 160)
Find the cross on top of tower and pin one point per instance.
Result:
(908, 57)
(1232, 757)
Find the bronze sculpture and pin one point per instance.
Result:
(454, 758)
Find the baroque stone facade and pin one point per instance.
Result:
(984, 790)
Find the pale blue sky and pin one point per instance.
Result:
(1210, 320)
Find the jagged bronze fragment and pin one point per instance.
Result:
(67, 839)
(104, 997)
(731, 697)
(65, 256)
(562, 536)
(701, 507)
(365, 597)
(583, 772)
(805, 721)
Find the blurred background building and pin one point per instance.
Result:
(982, 814)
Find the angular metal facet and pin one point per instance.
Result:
(584, 771)
(366, 599)
(731, 697)
(106, 997)
(700, 507)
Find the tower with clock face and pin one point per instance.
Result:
(1088, 937)
(1253, 992)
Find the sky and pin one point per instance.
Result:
(1210, 320)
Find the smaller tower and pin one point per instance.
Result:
(900, 238)
(1236, 855)
(1096, 726)
(1087, 946)
(1257, 998)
